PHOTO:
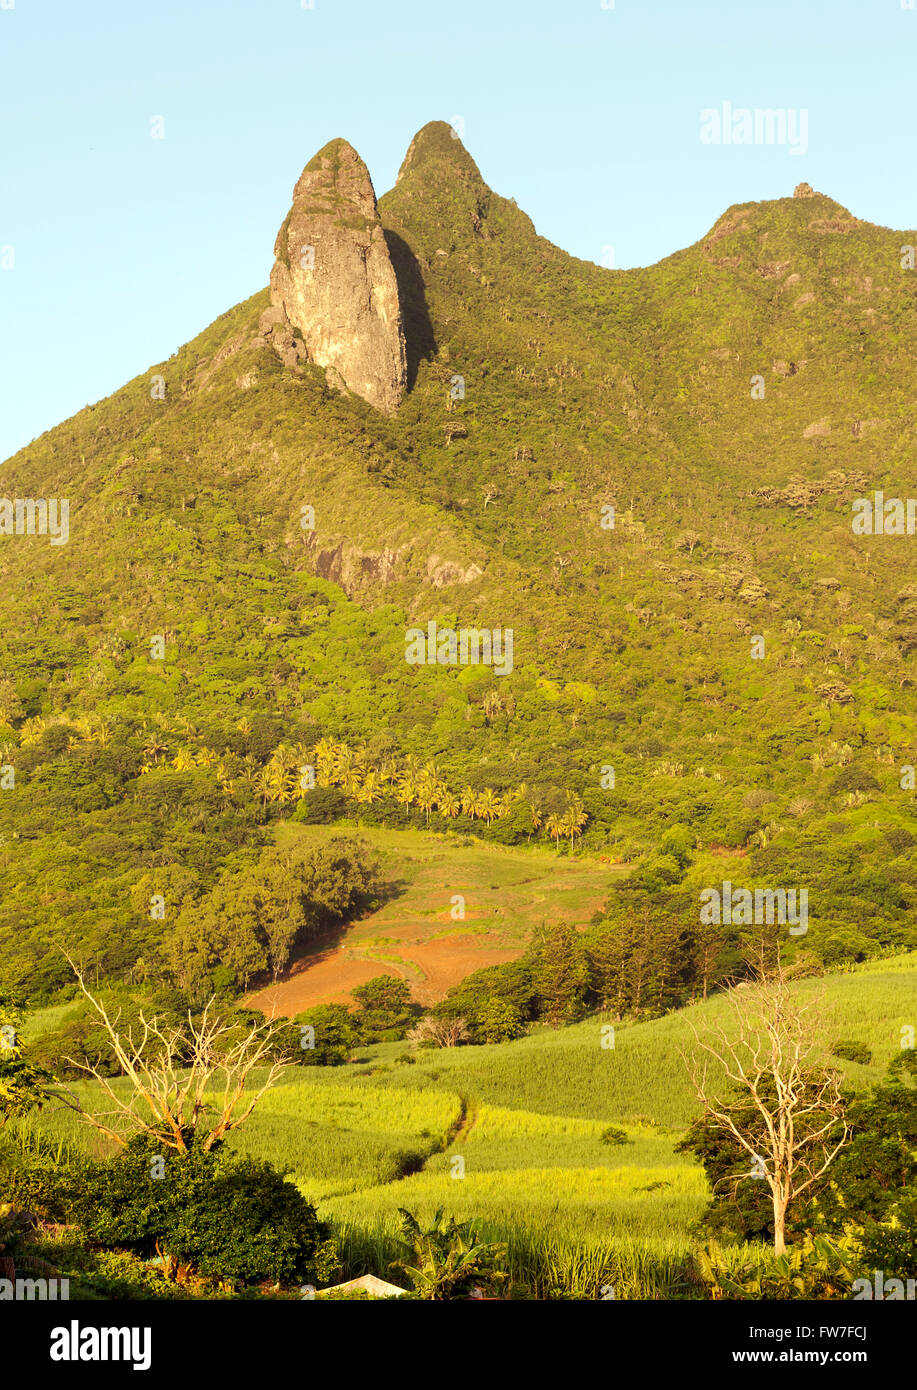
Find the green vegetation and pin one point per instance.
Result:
(570, 1150)
(584, 388)
(713, 681)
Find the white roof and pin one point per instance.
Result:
(378, 1288)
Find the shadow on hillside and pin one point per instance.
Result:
(391, 889)
(420, 342)
(324, 946)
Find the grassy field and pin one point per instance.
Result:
(507, 893)
(513, 1135)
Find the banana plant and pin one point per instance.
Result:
(448, 1260)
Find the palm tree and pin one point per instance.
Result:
(342, 762)
(302, 755)
(284, 758)
(406, 791)
(371, 788)
(323, 752)
(427, 792)
(488, 805)
(574, 818)
(279, 783)
(352, 780)
(263, 784)
(555, 826)
(388, 768)
(469, 802)
(32, 731)
(154, 749)
(450, 804)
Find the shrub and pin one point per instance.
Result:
(852, 1052)
(384, 1009)
(892, 1246)
(81, 1039)
(37, 1178)
(815, 1268)
(333, 1037)
(322, 806)
(497, 1021)
(229, 1218)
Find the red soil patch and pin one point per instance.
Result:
(325, 977)
(329, 976)
(445, 963)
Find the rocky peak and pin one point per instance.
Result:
(803, 190)
(439, 143)
(334, 283)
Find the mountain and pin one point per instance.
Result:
(641, 474)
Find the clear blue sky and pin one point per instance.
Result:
(125, 246)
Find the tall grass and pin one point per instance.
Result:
(548, 1265)
(578, 1214)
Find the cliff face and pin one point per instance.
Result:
(334, 282)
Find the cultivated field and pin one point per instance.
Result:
(507, 894)
(515, 1135)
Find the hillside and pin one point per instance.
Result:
(503, 895)
(583, 388)
(528, 1119)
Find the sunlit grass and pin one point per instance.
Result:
(579, 1213)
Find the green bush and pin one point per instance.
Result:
(229, 1218)
(497, 1021)
(39, 1180)
(334, 1036)
(892, 1246)
(852, 1052)
(815, 1268)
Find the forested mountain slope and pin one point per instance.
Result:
(729, 404)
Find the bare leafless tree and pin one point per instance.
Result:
(182, 1082)
(787, 1103)
(444, 1032)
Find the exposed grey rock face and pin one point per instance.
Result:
(280, 333)
(334, 282)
